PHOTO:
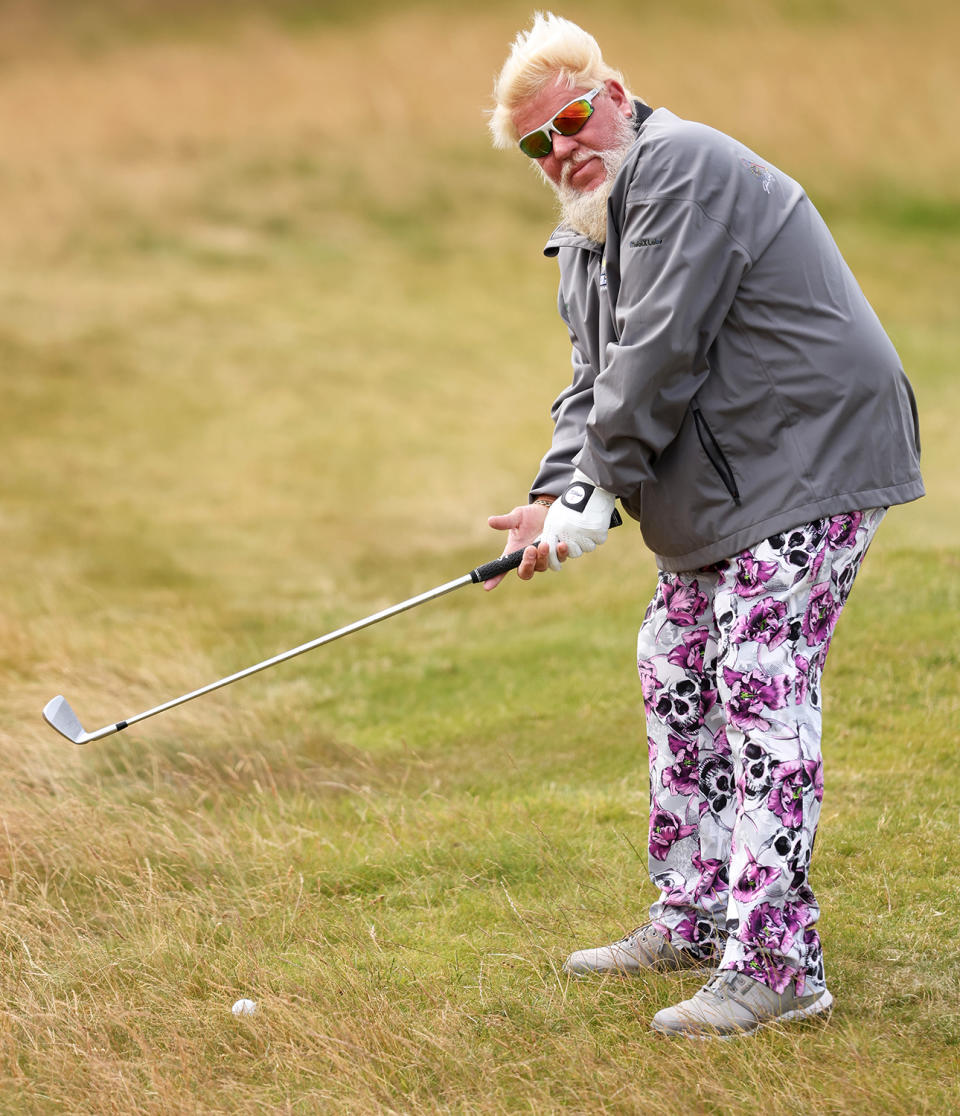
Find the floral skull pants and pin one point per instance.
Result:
(730, 659)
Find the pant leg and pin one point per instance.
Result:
(691, 776)
(776, 607)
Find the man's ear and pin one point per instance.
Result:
(618, 95)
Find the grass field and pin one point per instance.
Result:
(275, 338)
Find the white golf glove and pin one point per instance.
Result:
(580, 518)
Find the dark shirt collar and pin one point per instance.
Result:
(640, 114)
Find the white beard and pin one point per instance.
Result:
(586, 213)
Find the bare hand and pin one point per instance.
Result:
(524, 525)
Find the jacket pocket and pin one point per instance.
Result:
(715, 455)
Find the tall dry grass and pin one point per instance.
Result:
(866, 96)
(274, 338)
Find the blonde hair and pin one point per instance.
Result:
(553, 47)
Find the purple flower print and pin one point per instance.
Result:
(682, 777)
(690, 654)
(712, 883)
(803, 678)
(796, 916)
(816, 565)
(721, 746)
(843, 529)
(774, 974)
(790, 780)
(685, 604)
(767, 928)
(649, 683)
(682, 749)
(665, 830)
(687, 929)
(820, 617)
(765, 623)
(754, 879)
(752, 575)
(752, 694)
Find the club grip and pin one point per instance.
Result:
(498, 566)
(512, 560)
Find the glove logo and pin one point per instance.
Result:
(577, 496)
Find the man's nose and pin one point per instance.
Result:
(564, 146)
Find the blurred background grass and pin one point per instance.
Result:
(275, 337)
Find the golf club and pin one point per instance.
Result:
(59, 716)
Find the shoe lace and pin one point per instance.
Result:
(725, 984)
(641, 934)
(716, 986)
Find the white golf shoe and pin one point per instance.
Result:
(641, 950)
(732, 1004)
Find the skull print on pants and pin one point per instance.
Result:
(730, 660)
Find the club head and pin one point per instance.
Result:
(58, 715)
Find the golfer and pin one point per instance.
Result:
(733, 388)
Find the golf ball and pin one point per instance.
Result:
(244, 1007)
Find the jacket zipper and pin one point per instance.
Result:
(715, 454)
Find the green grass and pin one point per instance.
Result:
(259, 382)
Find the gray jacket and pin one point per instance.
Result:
(730, 379)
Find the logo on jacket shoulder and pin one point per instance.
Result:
(766, 178)
(603, 274)
(647, 242)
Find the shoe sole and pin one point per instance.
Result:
(823, 1006)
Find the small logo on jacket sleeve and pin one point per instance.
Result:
(766, 178)
(646, 242)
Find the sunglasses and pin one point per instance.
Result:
(568, 121)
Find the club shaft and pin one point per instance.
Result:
(375, 618)
(58, 714)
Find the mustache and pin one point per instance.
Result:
(576, 160)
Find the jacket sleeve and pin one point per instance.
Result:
(569, 413)
(673, 279)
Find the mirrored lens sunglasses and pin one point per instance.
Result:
(568, 121)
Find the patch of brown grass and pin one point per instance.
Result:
(274, 338)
